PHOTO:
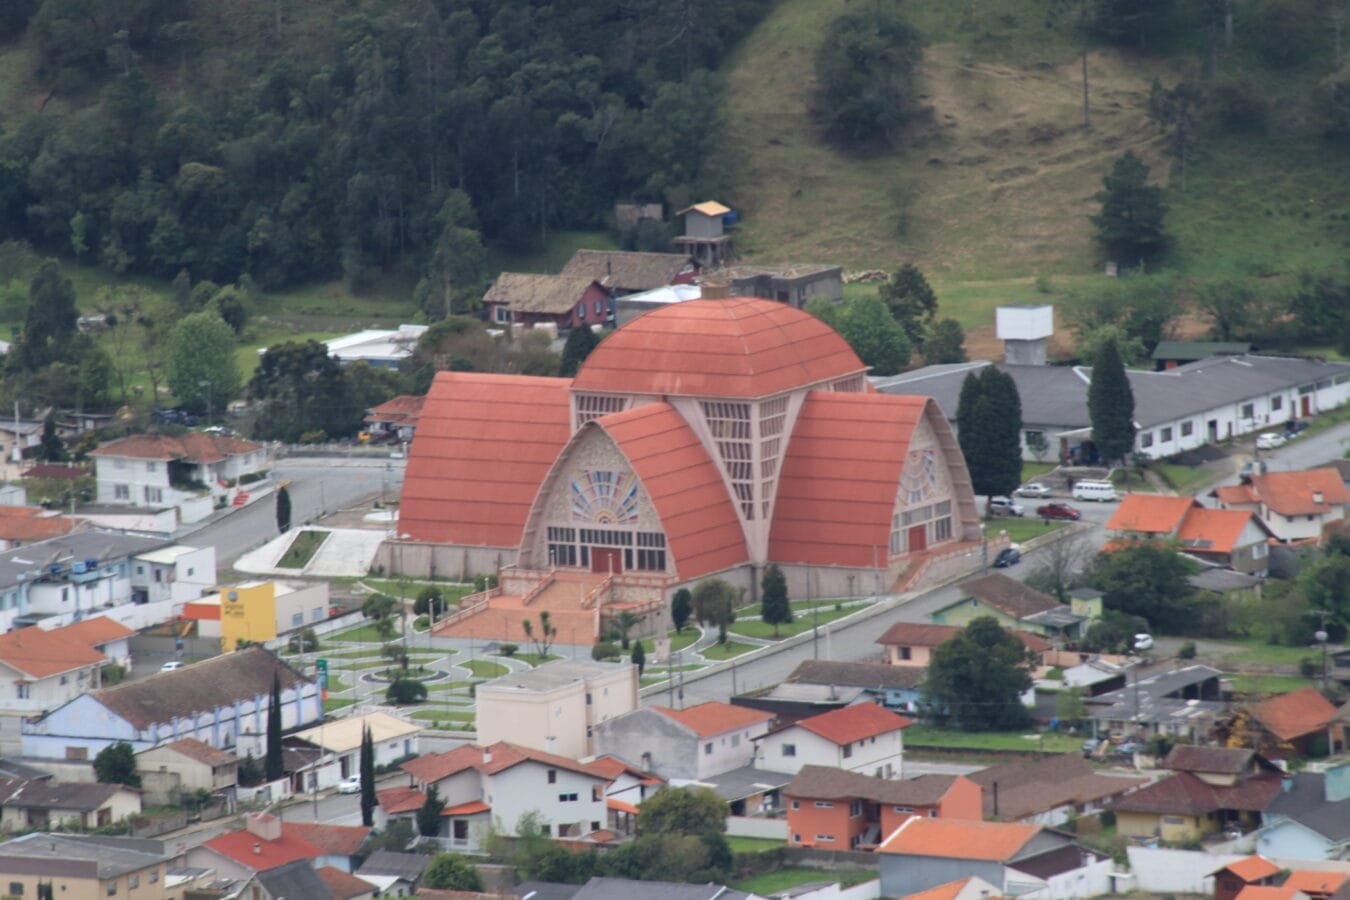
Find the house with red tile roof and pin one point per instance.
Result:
(492, 788)
(20, 525)
(343, 886)
(1294, 506)
(1184, 807)
(694, 743)
(863, 737)
(396, 418)
(1294, 724)
(1232, 879)
(266, 842)
(971, 888)
(706, 438)
(912, 643)
(1235, 538)
(50, 668)
(160, 471)
(833, 809)
(924, 853)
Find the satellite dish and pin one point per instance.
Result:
(1143, 642)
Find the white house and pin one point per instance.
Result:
(192, 472)
(41, 670)
(394, 739)
(555, 707)
(491, 788)
(1294, 506)
(863, 738)
(687, 744)
(177, 573)
(383, 348)
(222, 701)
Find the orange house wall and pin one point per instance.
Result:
(808, 821)
(963, 800)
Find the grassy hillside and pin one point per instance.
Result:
(993, 184)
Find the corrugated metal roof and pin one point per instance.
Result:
(484, 444)
(737, 347)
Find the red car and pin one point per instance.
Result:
(1058, 511)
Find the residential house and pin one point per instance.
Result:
(912, 643)
(18, 437)
(625, 272)
(42, 803)
(1181, 703)
(1015, 606)
(862, 738)
(926, 852)
(395, 420)
(557, 706)
(1048, 791)
(68, 578)
(20, 525)
(398, 803)
(104, 634)
(1220, 766)
(971, 888)
(1298, 723)
(833, 809)
(266, 842)
(175, 574)
(693, 743)
(297, 878)
(1229, 537)
(255, 612)
(342, 885)
(1185, 407)
(599, 888)
(86, 867)
(45, 669)
(395, 874)
(892, 686)
(1294, 506)
(705, 238)
(1310, 818)
(795, 284)
(789, 702)
(193, 472)
(222, 701)
(176, 770)
(626, 782)
(383, 348)
(492, 788)
(1170, 354)
(393, 739)
(1235, 877)
(748, 791)
(563, 301)
(1187, 807)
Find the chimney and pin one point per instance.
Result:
(1024, 331)
(263, 826)
(257, 849)
(714, 289)
(1317, 497)
(487, 756)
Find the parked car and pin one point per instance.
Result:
(1294, 427)
(1270, 440)
(171, 665)
(1035, 489)
(1058, 511)
(1009, 556)
(350, 785)
(1003, 506)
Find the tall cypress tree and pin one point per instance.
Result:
(1111, 405)
(989, 430)
(283, 509)
(367, 778)
(273, 766)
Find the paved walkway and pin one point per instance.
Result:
(347, 553)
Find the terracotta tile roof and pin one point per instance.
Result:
(401, 410)
(23, 524)
(1265, 892)
(96, 631)
(472, 808)
(1209, 760)
(333, 840)
(684, 484)
(737, 347)
(854, 723)
(612, 767)
(915, 634)
(618, 805)
(949, 891)
(484, 445)
(198, 688)
(201, 752)
(193, 446)
(1185, 794)
(1311, 881)
(52, 470)
(1038, 786)
(432, 767)
(38, 654)
(1214, 530)
(344, 886)
(1236, 494)
(1150, 514)
(238, 846)
(1292, 493)
(628, 270)
(1251, 868)
(397, 800)
(549, 294)
(714, 717)
(840, 476)
(959, 839)
(829, 783)
(1294, 714)
(1008, 595)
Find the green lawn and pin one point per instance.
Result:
(1181, 478)
(335, 704)
(678, 641)
(917, 736)
(1020, 530)
(408, 590)
(1270, 684)
(718, 652)
(533, 659)
(801, 622)
(456, 720)
(771, 883)
(1033, 470)
(1256, 651)
(558, 249)
(483, 668)
(364, 632)
(752, 845)
(302, 549)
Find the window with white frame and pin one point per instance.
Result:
(1187, 429)
(121, 492)
(1145, 439)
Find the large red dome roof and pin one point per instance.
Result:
(734, 347)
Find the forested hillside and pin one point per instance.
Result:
(305, 140)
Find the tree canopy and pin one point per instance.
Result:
(202, 369)
(1111, 404)
(880, 341)
(300, 389)
(116, 764)
(976, 678)
(911, 301)
(865, 72)
(1146, 580)
(452, 872)
(690, 811)
(989, 430)
(1130, 224)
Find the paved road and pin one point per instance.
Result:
(1309, 452)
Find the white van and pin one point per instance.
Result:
(1095, 490)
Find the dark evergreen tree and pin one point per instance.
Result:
(945, 343)
(299, 388)
(51, 448)
(49, 325)
(911, 301)
(429, 815)
(273, 765)
(283, 509)
(580, 342)
(1130, 224)
(116, 764)
(681, 608)
(367, 770)
(865, 76)
(639, 657)
(989, 429)
(976, 679)
(774, 608)
(1111, 405)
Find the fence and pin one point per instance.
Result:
(1162, 871)
(757, 827)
